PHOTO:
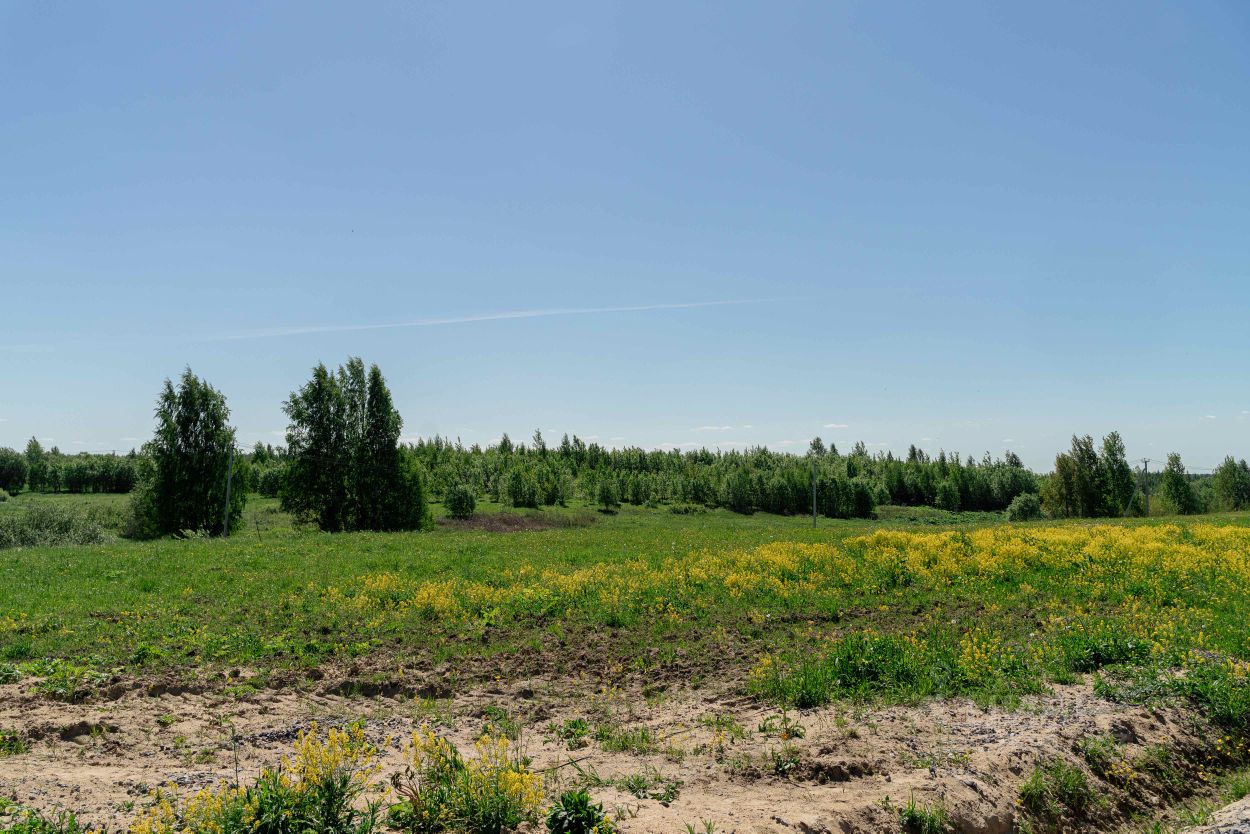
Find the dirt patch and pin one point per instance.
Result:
(518, 523)
(705, 756)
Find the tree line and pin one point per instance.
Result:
(344, 468)
(40, 470)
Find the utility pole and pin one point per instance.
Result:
(225, 515)
(1145, 468)
(813, 491)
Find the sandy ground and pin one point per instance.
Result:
(102, 758)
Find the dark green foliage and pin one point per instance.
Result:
(574, 813)
(1231, 483)
(1116, 476)
(1025, 507)
(184, 484)
(460, 501)
(51, 471)
(12, 471)
(947, 496)
(1089, 484)
(607, 496)
(1176, 489)
(346, 470)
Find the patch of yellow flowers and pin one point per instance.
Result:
(315, 757)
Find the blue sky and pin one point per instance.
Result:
(976, 227)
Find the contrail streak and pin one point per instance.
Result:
(274, 332)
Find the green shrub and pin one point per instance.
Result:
(443, 792)
(1024, 507)
(4, 495)
(44, 525)
(461, 501)
(574, 813)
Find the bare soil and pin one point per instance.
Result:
(849, 773)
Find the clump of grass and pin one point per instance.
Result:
(1105, 757)
(497, 722)
(924, 819)
(637, 740)
(12, 743)
(1055, 791)
(648, 783)
(10, 673)
(724, 724)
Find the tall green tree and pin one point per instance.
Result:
(1176, 489)
(347, 470)
(36, 466)
(184, 487)
(1231, 483)
(318, 452)
(1116, 476)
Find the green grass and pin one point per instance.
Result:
(276, 596)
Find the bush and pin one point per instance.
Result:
(492, 793)
(4, 496)
(42, 525)
(608, 497)
(461, 501)
(1025, 507)
(575, 814)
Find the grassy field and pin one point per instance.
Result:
(761, 610)
(897, 609)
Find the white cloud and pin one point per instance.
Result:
(788, 442)
(836, 426)
(712, 428)
(926, 440)
(614, 439)
(1208, 417)
(85, 443)
(4, 419)
(747, 426)
(1009, 440)
(275, 433)
(591, 437)
(877, 445)
(477, 317)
